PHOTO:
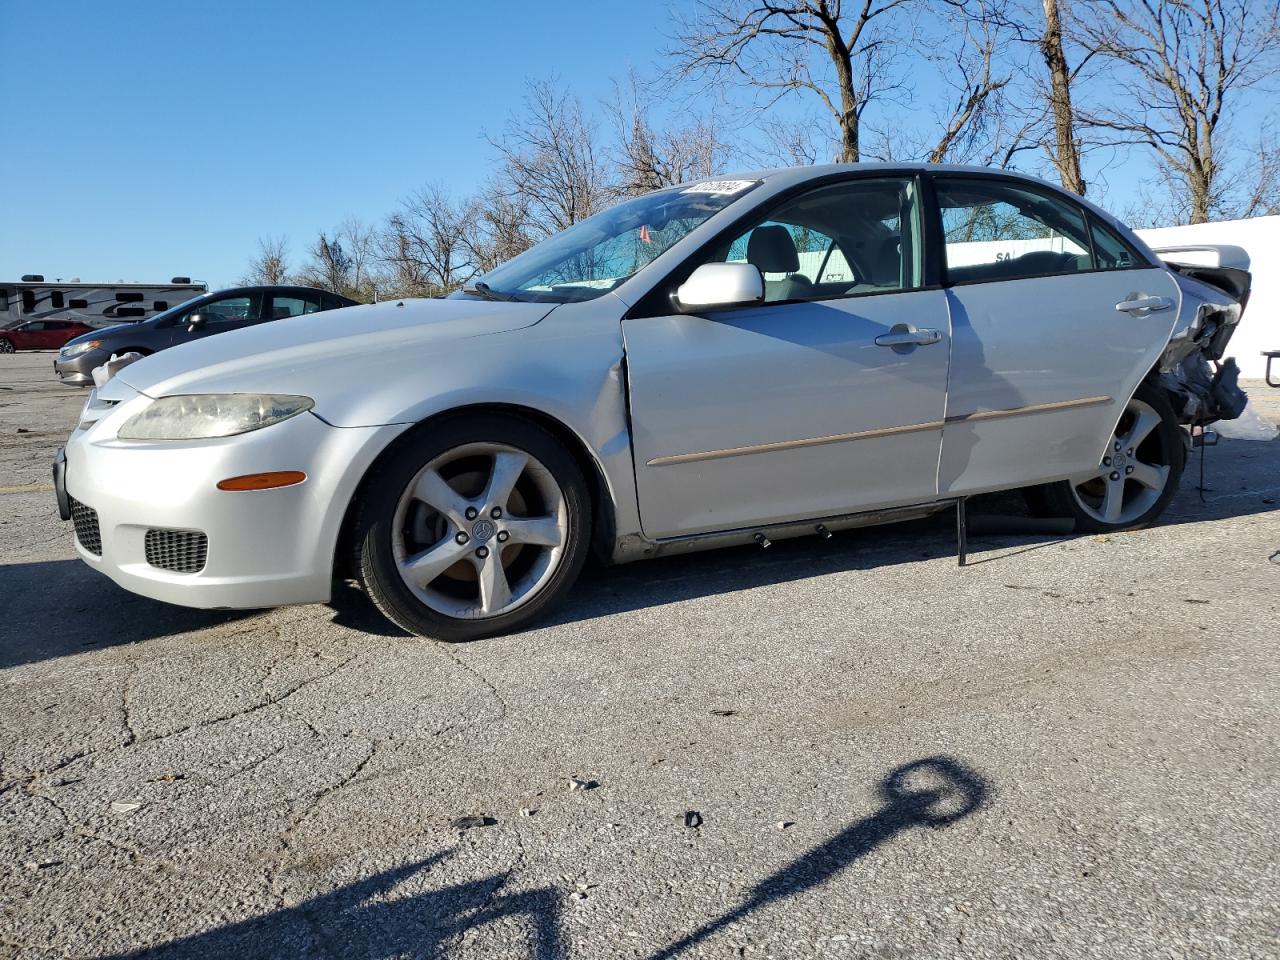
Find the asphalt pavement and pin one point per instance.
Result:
(844, 748)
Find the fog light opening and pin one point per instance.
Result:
(263, 481)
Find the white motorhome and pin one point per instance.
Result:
(95, 304)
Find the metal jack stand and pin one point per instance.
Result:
(962, 533)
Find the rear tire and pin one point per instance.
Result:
(1138, 476)
(475, 525)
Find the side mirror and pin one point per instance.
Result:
(721, 285)
(196, 321)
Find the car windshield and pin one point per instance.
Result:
(592, 257)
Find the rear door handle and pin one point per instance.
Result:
(902, 335)
(1143, 303)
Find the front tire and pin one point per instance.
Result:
(1137, 477)
(476, 525)
(6, 346)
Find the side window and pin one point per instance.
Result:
(282, 307)
(55, 300)
(1110, 251)
(4, 300)
(997, 230)
(35, 326)
(846, 239)
(233, 309)
(28, 301)
(159, 306)
(79, 304)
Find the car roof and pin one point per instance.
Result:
(776, 176)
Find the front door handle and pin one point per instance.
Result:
(902, 335)
(1150, 304)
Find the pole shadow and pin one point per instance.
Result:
(934, 792)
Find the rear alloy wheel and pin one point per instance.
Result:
(1138, 474)
(477, 530)
(6, 346)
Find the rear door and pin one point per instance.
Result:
(1043, 360)
(791, 409)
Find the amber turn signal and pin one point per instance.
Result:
(263, 481)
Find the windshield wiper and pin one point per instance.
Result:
(482, 289)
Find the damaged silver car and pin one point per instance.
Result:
(774, 354)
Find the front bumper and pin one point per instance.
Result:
(78, 370)
(264, 548)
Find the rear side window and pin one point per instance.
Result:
(282, 307)
(28, 301)
(1112, 252)
(998, 230)
(55, 300)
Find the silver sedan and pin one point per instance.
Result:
(768, 355)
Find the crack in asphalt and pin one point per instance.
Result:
(502, 703)
(287, 834)
(199, 725)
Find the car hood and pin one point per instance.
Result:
(103, 333)
(303, 355)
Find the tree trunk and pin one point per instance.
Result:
(848, 118)
(1066, 149)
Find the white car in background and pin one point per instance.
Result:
(769, 355)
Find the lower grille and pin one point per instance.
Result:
(180, 551)
(86, 521)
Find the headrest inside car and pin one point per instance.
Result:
(772, 250)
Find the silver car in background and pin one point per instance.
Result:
(773, 354)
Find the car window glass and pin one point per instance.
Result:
(844, 239)
(230, 309)
(293, 306)
(996, 230)
(35, 326)
(1111, 252)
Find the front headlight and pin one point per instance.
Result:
(75, 349)
(209, 415)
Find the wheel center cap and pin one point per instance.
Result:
(483, 530)
(1119, 461)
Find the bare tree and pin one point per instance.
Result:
(502, 229)
(841, 54)
(358, 241)
(426, 244)
(328, 266)
(972, 72)
(270, 265)
(649, 158)
(1185, 61)
(551, 160)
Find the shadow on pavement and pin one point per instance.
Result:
(365, 919)
(934, 792)
(59, 608)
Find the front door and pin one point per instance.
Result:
(1043, 362)
(791, 409)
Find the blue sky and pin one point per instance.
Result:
(149, 139)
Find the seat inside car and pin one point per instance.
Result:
(771, 250)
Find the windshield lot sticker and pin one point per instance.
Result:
(720, 186)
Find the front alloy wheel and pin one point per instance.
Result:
(6, 346)
(477, 530)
